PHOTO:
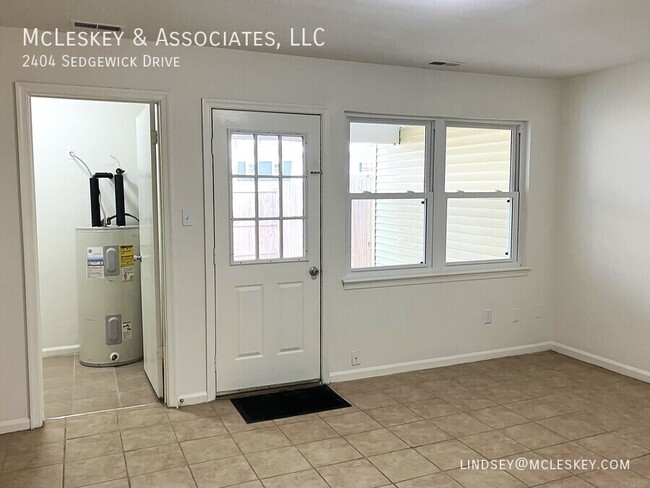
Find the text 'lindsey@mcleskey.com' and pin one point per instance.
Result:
(528, 464)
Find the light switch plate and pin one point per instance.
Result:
(487, 316)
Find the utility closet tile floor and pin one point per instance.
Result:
(409, 430)
(71, 388)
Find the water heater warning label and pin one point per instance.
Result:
(126, 262)
(126, 256)
(126, 331)
(94, 262)
(127, 274)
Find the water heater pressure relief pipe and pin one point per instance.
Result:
(118, 179)
(120, 219)
(95, 214)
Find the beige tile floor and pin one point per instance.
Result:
(71, 388)
(408, 430)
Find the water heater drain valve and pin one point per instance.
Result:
(114, 356)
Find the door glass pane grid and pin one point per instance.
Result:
(267, 186)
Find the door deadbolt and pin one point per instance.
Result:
(314, 271)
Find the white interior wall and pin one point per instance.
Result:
(95, 131)
(603, 230)
(388, 325)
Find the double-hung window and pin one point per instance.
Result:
(439, 195)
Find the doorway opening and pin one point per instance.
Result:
(94, 170)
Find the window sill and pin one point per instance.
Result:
(378, 281)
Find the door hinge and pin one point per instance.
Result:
(214, 256)
(214, 362)
(154, 137)
(160, 352)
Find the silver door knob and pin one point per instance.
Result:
(314, 271)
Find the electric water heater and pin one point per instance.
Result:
(108, 290)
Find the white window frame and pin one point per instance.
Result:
(435, 268)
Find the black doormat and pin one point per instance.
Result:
(271, 406)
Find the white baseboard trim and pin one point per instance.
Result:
(192, 399)
(596, 360)
(48, 352)
(14, 425)
(356, 374)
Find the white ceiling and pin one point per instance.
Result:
(536, 38)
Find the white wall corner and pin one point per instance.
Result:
(611, 365)
(386, 369)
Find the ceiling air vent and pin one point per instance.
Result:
(448, 64)
(95, 26)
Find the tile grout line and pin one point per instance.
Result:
(65, 443)
(126, 466)
(178, 443)
(74, 384)
(187, 463)
(117, 388)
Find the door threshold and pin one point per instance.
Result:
(267, 389)
(116, 409)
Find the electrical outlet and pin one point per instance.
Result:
(487, 316)
(187, 217)
(516, 314)
(356, 358)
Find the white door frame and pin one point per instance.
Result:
(24, 94)
(208, 104)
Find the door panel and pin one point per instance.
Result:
(250, 320)
(292, 316)
(149, 266)
(267, 237)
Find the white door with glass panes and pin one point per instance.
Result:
(266, 169)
